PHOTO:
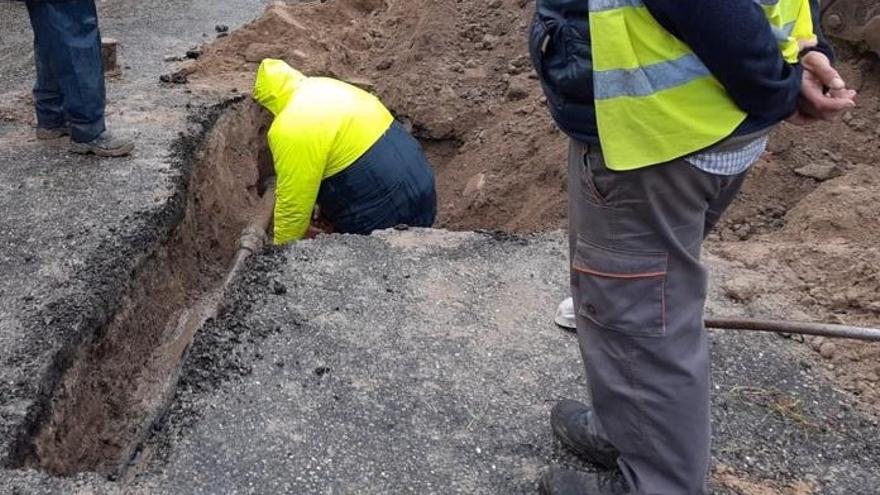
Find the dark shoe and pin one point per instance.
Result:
(573, 425)
(44, 134)
(104, 145)
(567, 482)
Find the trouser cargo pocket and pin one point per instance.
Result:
(621, 291)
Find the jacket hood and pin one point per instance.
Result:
(275, 84)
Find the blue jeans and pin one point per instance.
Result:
(70, 74)
(391, 184)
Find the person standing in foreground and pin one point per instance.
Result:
(337, 146)
(667, 103)
(69, 94)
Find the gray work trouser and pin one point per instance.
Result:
(639, 290)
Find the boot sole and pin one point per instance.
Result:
(565, 324)
(51, 137)
(105, 153)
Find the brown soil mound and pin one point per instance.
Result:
(459, 72)
(821, 237)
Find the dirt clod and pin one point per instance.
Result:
(177, 77)
(820, 171)
(828, 350)
(278, 288)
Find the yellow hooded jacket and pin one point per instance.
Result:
(322, 126)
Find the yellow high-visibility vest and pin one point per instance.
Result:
(321, 127)
(655, 100)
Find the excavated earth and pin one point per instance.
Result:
(417, 361)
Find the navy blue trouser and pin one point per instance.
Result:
(391, 184)
(70, 74)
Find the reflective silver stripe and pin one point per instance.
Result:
(600, 5)
(644, 81)
(783, 33)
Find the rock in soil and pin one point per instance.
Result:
(820, 171)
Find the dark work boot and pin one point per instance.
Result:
(567, 482)
(573, 425)
(105, 145)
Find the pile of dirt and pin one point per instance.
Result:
(460, 74)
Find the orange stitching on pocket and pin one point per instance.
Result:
(590, 271)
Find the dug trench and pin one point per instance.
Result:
(122, 377)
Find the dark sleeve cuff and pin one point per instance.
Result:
(822, 48)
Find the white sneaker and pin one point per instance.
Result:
(565, 316)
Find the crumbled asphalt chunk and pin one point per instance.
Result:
(278, 288)
(177, 77)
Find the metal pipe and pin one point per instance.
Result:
(252, 240)
(254, 236)
(798, 327)
(193, 318)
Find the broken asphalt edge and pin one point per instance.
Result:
(80, 317)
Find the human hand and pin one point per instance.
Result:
(314, 232)
(318, 227)
(815, 102)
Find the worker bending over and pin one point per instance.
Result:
(667, 103)
(337, 146)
